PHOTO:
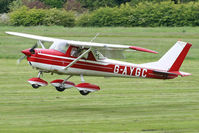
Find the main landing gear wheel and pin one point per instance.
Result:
(60, 89)
(35, 86)
(84, 92)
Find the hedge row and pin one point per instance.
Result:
(144, 14)
(31, 17)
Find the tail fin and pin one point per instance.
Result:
(173, 59)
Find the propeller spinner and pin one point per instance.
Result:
(27, 52)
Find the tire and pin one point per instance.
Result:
(35, 86)
(60, 89)
(84, 93)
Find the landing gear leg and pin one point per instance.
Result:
(82, 78)
(39, 74)
(67, 79)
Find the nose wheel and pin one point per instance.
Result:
(37, 82)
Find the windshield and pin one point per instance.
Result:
(59, 46)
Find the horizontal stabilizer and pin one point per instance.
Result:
(181, 73)
(178, 73)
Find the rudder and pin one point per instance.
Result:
(178, 62)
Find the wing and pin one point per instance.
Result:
(35, 37)
(80, 43)
(112, 53)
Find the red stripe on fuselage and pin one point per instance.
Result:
(64, 62)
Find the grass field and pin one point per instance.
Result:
(122, 105)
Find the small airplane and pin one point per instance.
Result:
(68, 57)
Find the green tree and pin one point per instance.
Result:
(4, 5)
(28, 3)
(54, 3)
(95, 4)
(135, 2)
(16, 4)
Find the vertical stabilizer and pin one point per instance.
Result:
(173, 59)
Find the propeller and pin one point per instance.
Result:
(20, 59)
(32, 51)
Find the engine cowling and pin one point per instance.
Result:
(62, 83)
(87, 87)
(38, 81)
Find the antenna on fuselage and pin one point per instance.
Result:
(95, 37)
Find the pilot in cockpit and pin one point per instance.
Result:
(75, 52)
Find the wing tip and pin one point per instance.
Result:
(10, 32)
(143, 49)
(7, 32)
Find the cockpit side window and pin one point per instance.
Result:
(59, 46)
(98, 55)
(92, 55)
(76, 52)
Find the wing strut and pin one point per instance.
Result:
(40, 43)
(94, 37)
(77, 59)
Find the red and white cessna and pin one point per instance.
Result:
(83, 58)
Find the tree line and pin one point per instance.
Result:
(75, 5)
(126, 13)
